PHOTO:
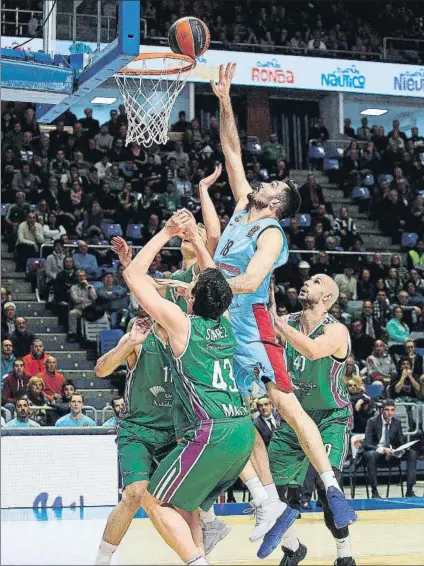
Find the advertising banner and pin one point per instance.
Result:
(58, 471)
(286, 71)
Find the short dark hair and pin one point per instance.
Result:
(67, 382)
(212, 294)
(17, 360)
(388, 403)
(290, 202)
(116, 398)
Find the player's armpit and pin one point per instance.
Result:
(330, 343)
(269, 247)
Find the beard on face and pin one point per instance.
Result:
(254, 201)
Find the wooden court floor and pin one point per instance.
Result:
(392, 537)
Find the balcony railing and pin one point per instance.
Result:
(15, 22)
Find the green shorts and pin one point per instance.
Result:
(206, 463)
(289, 464)
(140, 449)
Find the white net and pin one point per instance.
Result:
(149, 98)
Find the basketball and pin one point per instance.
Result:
(189, 36)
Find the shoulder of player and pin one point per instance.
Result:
(270, 235)
(332, 325)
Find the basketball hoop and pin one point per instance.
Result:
(149, 86)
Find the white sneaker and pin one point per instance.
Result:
(266, 517)
(213, 533)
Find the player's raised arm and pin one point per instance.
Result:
(127, 349)
(191, 233)
(166, 313)
(229, 137)
(210, 217)
(268, 250)
(335, 338)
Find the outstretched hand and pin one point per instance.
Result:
(124, 251)
(177, 224)
(207, 182)
(140, 330)
(226, 74)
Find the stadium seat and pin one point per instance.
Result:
(331, 164)
(303, 220)
(111, 230)
(285, 223)
(316, 152)
(373, 390)
(369, 180)
(4, 209)
(409, 239)
(134, 231)
(68, 364)
(96, 284)
(7, 53)
(385, 177)
(108, 339)
(91, 330)
(360, 193)
(97, 383)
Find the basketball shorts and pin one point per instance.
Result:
(140, 449)
(257, 356)
(205, 463)
(289, 464)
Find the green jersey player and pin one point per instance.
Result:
(216, 447)
(317, 347)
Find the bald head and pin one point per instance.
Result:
(319, 290)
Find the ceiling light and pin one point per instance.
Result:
(373, 112)
(103, 100)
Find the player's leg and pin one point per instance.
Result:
(119, 520)
(186, 477)
(256, 475)
(193, 520)
(334, 427)
(173, 528)
(135, 461)
(288, 467)
(341, 536)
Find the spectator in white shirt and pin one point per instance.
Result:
(103, 166)
(179, 155)
(347, 283)
(182, 183)
(51, 231)
(104, 140)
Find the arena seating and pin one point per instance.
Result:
(372, 185)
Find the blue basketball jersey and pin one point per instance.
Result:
(236, 248)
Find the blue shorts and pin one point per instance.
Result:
(257, 356)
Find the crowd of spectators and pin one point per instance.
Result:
(311, 27)
(315, 28)
(69, 187)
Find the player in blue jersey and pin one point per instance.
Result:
(251, 247)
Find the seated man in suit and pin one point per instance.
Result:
(383, 434)
(265, 423)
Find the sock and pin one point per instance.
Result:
(290, 539)
(343, 547)
(207, 516)
(271, 492)
(105, 552)
(197, 561)
(329, 480)
(256, 489)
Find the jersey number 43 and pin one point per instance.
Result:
(223, 377)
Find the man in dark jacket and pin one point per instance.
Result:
(14, 385)
(265, 423)
(21, 338)
(383, 435)
(64, 281)
(312, 195)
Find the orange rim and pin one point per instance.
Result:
(191, 63)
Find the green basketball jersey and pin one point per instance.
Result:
(171, 294)
(318, 383)
(149, 389)
(205, 381)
